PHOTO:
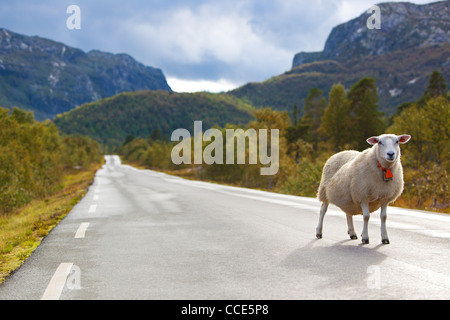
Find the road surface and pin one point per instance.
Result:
(140, 234)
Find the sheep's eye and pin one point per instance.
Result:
(380, 143)
(396, 142)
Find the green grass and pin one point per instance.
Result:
(23, 230)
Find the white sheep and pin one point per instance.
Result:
(362, 182)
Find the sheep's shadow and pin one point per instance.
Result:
(344, 264)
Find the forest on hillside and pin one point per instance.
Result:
(326, 126)
(109, 121)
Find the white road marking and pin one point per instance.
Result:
(419, 214)
(95, 197)
(93, 208)
(81, 230)
(56, 285)
(288, 200)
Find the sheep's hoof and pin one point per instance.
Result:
(319, 236)
(365, 241)
(354, 237)
(385, 241)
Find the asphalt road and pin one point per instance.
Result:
(140, 234)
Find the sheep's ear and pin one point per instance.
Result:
(404, 138)
(372, 140)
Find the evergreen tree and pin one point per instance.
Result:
(436, 86)
(366, 120)
(313, 111)
(295, 114)
(336, 119)
(156, 135)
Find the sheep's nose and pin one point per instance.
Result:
(391, 154)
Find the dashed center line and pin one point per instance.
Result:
(93, 208)
(56, 285)
(81, 232)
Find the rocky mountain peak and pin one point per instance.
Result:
(50, 77)
(403, 25)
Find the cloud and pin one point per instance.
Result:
(207, 34)
(196, 35)
(349, 9)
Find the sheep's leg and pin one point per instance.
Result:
(323, 210)
(383, 216)
(351, 228)
(366, 217)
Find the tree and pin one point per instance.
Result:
(22, 116)
(437, 112)
(128, 139)
(313, 111)
(156, 135)
(296, 134)
(366, 120)
(412, 121)
(436, 85)
(425, 159)
(295, 114)
(32, 158)
(336, 119)
(269, 119)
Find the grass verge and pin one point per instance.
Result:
(23, 230)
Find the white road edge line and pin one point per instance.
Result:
(56, 285)
(81, 230)
(92, 208)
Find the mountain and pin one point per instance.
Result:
(402, 76)
(49, 77)
(109, 121)
(403, 26)
(414, 40)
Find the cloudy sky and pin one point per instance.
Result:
(199, 44)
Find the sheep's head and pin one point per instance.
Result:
(388, 148)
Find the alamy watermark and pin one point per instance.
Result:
(73, 22)
(258, 147)
(374, 21)
(73, 281)
(374, 278)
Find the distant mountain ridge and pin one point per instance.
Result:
(49, 77)
(414, 41)
(403, 25)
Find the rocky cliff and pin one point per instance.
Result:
(49, 78)
(414, 41)
(403, 26)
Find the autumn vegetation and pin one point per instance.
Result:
(43, 174)
(34, 156)
(326, 125)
